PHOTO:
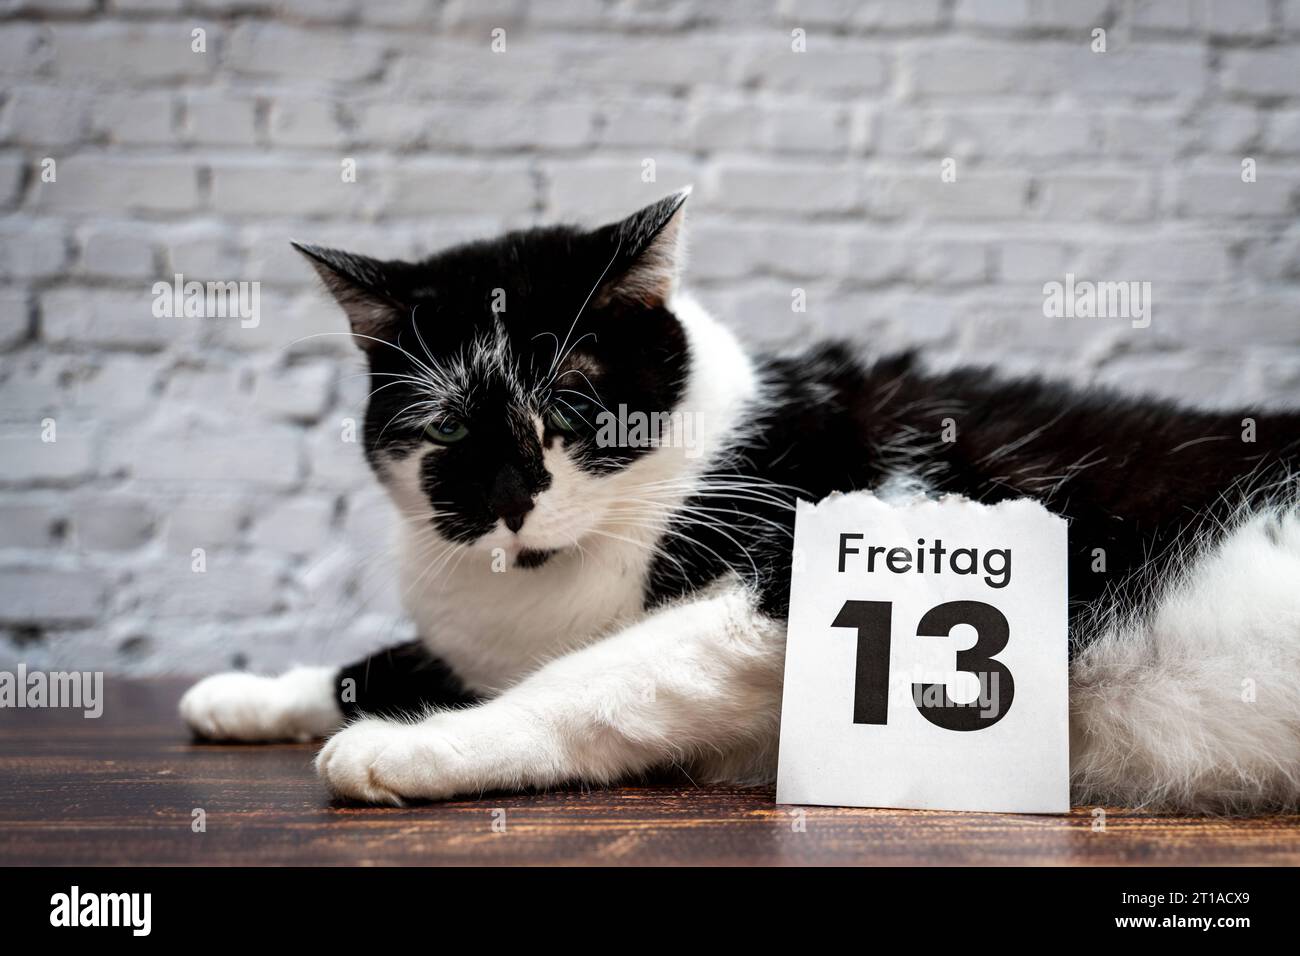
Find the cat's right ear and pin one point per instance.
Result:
(361, 286)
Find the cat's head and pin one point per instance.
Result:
(498, 367)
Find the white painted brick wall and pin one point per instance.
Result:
(816, 170)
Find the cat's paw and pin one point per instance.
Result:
(380, 761)
(297, 705)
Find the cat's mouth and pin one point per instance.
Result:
(533, 558)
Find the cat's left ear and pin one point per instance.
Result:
(650, 251)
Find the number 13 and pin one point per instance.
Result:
(873, 621)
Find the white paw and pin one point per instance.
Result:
(380, 761)
(298, 705)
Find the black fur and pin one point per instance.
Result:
(399, 681)
(1130, 475)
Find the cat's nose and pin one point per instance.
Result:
(515, 520)
(511, 498)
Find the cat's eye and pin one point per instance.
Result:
(571, 414)
(446, 432)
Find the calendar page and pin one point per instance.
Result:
(926, 661)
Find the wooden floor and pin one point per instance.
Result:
(124, 789)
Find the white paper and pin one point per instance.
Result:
(1015, 756)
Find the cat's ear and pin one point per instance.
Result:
(650, 250)
(361, 285)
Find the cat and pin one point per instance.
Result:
(593, 609)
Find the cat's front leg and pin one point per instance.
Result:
(299, 704)
(309, 702)
(696, 684)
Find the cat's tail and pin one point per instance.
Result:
(1195, 705)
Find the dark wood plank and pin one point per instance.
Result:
(121, 790)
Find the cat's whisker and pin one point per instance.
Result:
(591, 398)
(555, 364)
(694, 541)
(671, 514)
(575, 411)
(653, 549)
(363, 337)
(723, 495)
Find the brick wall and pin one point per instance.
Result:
(816, 170)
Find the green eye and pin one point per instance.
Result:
(571, 415)
(446, 432)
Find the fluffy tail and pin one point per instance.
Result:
(1195, 706)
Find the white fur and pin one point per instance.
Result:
(298, 705)
(1160, 714)
(697, 684)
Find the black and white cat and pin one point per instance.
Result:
(556, 575)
